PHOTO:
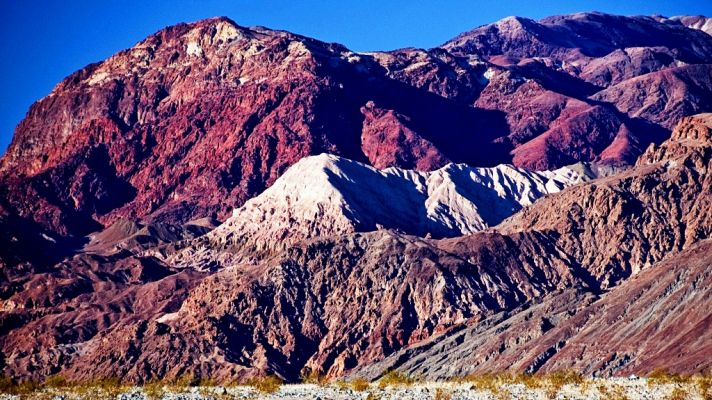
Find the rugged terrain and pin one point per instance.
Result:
(335, 305)
(408, 246)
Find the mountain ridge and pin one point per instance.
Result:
(198, 118)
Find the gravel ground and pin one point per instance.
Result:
(599, 389)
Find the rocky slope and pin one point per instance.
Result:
(198, 118)
(656, 320)
(696, 22)
(542, 287)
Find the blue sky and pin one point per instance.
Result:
(41, 42)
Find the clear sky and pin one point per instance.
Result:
(42, 41)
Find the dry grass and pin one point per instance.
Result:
(679, 394)
(106, 388)
(56, 382)
(618, 393)
(359, 384)
(314, 377)
(484, 382)
(154, 390)
(493, 383)
(184, 381)
(530, 381)
(266, 384)
(561, 378)
(704, 386)
(9, 386)
(395, 378)
(662, 377)
(550, 384)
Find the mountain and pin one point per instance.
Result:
(695, 22)
(578, 37)
(540, 287)
(225, 202)
(662, 97)
(198, 118)
(327, 195)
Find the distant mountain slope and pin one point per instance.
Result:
(695, 22)
(656, 319)
(663, 97)
(576, 36)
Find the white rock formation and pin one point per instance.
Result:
(327, 195)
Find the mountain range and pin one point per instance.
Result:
(226, 202)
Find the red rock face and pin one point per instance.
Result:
(387, 141)
(199, 117)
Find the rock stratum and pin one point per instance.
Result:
(224, 202)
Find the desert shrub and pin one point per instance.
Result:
(678, 394)
(104, 388)
(56, 381)
(154, 390)
(560, 378)
(442, 394)
(618, 393)
(395, 378)
(266, 384)
(359, 384)
(206, 382)
(530, 381)
(8, 386)
(110, 386)
(314, 377)
(602, 389)
(493, 383)
(704, 386)
(184, 381)
(663, 377)
(485, 382)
